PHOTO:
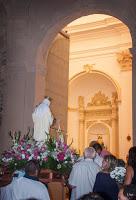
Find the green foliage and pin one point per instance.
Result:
(16, 165)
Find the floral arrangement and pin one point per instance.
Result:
(118, 174)
(52, 154)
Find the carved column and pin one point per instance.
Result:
(115, 137)
(81, 136)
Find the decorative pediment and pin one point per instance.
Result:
(124, 58)
(99, 99)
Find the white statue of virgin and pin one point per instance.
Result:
(43, 119)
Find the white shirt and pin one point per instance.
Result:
(43, 119)
(98, 159)
(23, 188)
(83, 176)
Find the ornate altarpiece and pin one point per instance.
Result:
(100, 109)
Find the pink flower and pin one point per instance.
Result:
(28, 146)
(65, 147)
(45, 159)
(36, 151)
(19, 148)
(61, 156)
(43, 149)
(18, 157)
(22, 152)
(21, 142)
(35, 157)
(27, 156)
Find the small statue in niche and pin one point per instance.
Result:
(100, 140)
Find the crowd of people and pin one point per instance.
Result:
(92, 177)
(97, 175)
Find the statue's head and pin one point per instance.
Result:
(49, 98)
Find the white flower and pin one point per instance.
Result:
(38, 157)
(112, 174)
(118, 174)
(7, 159)
(58, 166)
(23, 156)
(31, 157)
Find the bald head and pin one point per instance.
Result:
(89, 152)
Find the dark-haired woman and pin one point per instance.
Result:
(130, 177)
(104, 184)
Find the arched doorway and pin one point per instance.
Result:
(66, 20)
(100, 132)
(98, 50)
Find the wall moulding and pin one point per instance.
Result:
(93, 25)
(103, 51)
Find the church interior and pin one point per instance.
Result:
(100, 83)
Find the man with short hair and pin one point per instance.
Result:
(83, 174)
(26, 187)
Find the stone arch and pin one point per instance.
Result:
(78, 9)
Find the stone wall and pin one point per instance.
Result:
(3, 61)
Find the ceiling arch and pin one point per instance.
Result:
(109, 78)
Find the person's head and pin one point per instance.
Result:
(132, 157)
(89, 152)
(91, 196)
(97, 147)
(109, 163)
(32, 168)
(92, 143)
(127, 192)
(120, 163)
